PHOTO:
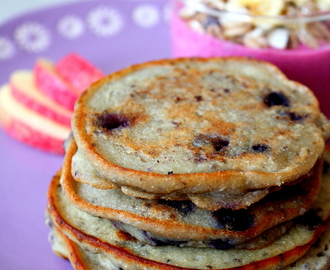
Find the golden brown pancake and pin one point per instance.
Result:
(193, 127)
(97, 235)
(182, 222)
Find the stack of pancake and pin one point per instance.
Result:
(194, 164)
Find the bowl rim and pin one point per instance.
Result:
(201, 7)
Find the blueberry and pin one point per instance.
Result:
(117, 224)
(260, 148)
(234, 220)
(198, 98)
(219, 143)
(295, 117)
(184, 207)
(110, 121)
(311, 220)
(220, 244)
(276, 99)
(170, 242)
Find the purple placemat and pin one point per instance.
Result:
(112, 34)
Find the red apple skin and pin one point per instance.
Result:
(26, 93)
(29, 127)
(52, 85)
(78, 71)
(27, 135)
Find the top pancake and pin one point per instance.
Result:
(197, 125)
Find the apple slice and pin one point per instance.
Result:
(77, 71)
(29, 127)
(24, 91)
(52, 85)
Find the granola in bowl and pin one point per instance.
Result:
(280, 24)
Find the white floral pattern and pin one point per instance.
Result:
(105, 21)
(7, 48)
(146, 16)
(71, 26)
(32, 37)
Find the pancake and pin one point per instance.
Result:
(56, 239)
(181, 222)
(316, 258)
(192, 127)
(80, 258)
(97, 235)
(84, 173)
